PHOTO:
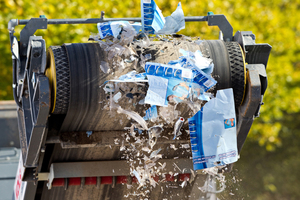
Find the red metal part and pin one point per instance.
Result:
(108, 180)
(58, 182)
(74, 181)
(134, 180)
(90, 180)
(121, 179)
(170, 178)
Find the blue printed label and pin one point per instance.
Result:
(229, 123)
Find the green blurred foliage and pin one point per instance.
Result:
(274, 22)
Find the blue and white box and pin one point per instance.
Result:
(152, 17)
(213, 132)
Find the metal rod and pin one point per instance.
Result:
(97, 20)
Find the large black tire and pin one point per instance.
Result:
(237, 67)
(229, 68)
(62, 80)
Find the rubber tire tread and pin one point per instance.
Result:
(237, 71)
(62, 80)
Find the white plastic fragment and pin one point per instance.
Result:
(127, 35)
(122, 148)
(162, 166)
(109, 88)
(154, 154)
(104, 67)
(177, 127)
(137, 175)
(117, 97)
(146, 149)
(156, 94)
(154, 133)
(132, 77)
(172, 146)
(211, 171)
(183, 184)
(186, 146)
(135, 116)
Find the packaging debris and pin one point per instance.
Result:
(151, 114)
(174, 23)
(131, 77)
(148, 56)
(186, 81)
(177, 127)
(168, 71)
(213, 132)
(153, 21)
(135, 116)
(195, 61)
(152, 17)
(202, 67)
(153, 133)
(156, 94)
(104, 67)
(155, 154)
(89, 133)
(115, 28)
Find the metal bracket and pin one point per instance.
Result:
(32, 119)
(223, 24)
(35, 62)
(31, 27)
(255, 53)
(248, 110)
(260, 68)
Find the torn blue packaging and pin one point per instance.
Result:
(152, 18)
(131, 77)
(111, 28)
(202, 67)
(167, 83)
(195, 61)
(176, 84)
(174, 23)
(168, 71)
(204, 80)
(213, 132)
(153, 21)
(151, 113)
(114, 28)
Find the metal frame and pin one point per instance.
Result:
(108, 168)
(34, 24)
(256, 75)
(255, 53)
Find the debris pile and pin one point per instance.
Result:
(178, 97)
